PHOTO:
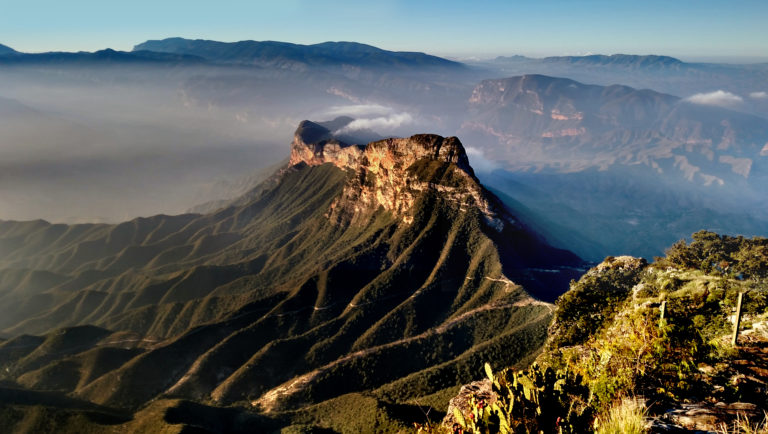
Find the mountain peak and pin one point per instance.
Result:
(4, 50)
(349, 46)
(394, 172)
(317, 143)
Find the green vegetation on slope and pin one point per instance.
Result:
(270, 306)
(609, 330)
(636, 351)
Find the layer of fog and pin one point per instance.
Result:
(78, 148)
(112, 143)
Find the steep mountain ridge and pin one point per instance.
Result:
(390, 173)
(304, 284)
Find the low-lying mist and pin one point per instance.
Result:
(589, 167)
(107, 144)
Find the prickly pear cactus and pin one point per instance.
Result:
(531, 401)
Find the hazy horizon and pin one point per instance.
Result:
(687, 29)
(457, 56)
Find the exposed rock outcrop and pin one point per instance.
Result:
(704, 417)
(481, 390)
(624, 262)
(391, 173)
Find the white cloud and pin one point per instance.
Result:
(759, 95)
(478, 161)
(718, 98)
(379, 124)
(358, 110)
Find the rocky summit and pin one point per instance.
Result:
(392, 173)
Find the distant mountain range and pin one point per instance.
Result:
(619, 60)
(364, 62)
(587, 164)
(548, 122)
(661, 73)
(623, 61)
(285, 54)
(102, 57)
(266, 53)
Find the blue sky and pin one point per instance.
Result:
(697, 29)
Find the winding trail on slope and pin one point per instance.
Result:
(269, 401)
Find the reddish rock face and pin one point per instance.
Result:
(313, 144)
(382, 172)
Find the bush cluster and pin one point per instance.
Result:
(721, 254)
(609, 341)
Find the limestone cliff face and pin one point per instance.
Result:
(385, 173)
(557, 123)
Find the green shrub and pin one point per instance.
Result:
(591, 302)
(721, 255)
(608, 331)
